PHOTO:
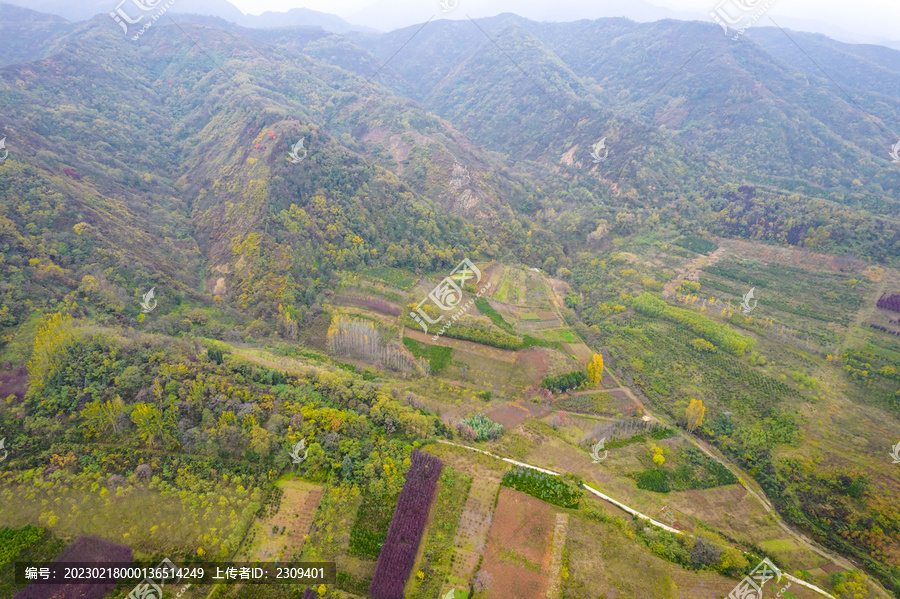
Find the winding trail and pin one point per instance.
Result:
(697, 265)
(763, 501)
(693, 268)
(621, 505)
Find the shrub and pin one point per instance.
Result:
(545, 487)
(718, 334)
(561, 382)
(144, 472)
(481, 426)
(703, 345)
(13, 541)
(414, 401)
(558, 420)
(215, 354)
(705, 553)
(371, 526)
(653, 480)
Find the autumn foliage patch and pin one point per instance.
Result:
(399, 552)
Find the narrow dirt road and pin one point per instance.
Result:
(623, 506)
(693, 269)
(761, 498)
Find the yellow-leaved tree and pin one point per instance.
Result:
(155, 425)
(595, 370)
(695, 412)
(101, 418)
(56, 334)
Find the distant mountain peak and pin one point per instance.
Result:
(86, 9)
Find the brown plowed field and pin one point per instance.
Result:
(517, 556)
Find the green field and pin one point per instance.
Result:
(394, 277)
(437, 355)
(564, 335)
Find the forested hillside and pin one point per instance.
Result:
(215, 246)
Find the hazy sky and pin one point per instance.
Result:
(879, 18)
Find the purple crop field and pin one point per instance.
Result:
(84, 549)
(378, 305)
(889, 302)
(399, 551)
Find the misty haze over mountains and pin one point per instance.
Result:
(386, 15)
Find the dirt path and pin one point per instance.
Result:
(863, 314)
(277, 362)
(505, 355)
(471, 534)
(740, 475)
(632, 510)
(693, 268)
(556, 557)
(760, 497)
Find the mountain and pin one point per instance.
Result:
(27, 35)
(505, 104)
(301, 17)
(289, 192)
(672, 77)
(85, 9)
(388, 15)
(852, 66)
(221, 9)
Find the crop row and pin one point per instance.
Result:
(399, 551)
(889, 302)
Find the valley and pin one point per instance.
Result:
(443, 344)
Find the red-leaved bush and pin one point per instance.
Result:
(399, 550)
